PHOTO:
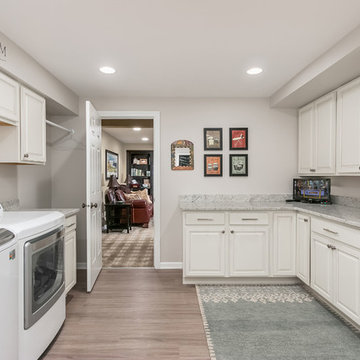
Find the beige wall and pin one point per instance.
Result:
(108, 142)
(28, 71)
(272, 152)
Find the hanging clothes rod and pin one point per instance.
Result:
(71, 131)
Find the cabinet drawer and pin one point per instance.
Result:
(70, 223)
(205, 218)
(249, 218)
(333, 230)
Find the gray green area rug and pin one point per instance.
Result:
(272, 322)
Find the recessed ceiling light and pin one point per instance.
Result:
(145, 139)
(136, 128)
(254, 71)
(107, 70)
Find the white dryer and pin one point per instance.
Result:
(9, 280)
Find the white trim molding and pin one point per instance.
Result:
(171, 265)
(155, 115)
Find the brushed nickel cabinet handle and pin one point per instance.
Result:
(232, 231)
(329, 246)
(330, 231)
(223, 232)
(306, 220)
(332, 247)
(249, 219)
(26, 155)
(204, 219)
(312, 170)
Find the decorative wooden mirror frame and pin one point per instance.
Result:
(182, 155)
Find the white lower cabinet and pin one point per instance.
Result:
(204, 251)
(70, 253)
(284, 244)
(249, 251)
(303, 234)
(335, 266)
(321, 266)
(347, 280)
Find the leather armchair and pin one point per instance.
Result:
(141, 210)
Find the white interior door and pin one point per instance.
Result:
(93, 194)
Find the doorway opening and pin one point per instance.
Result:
(130, 148)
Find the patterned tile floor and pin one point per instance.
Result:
(135, 249)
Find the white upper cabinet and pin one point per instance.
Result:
(33, 126)
(306, 139)
(317, 125)
(348, 128)
(9, 101)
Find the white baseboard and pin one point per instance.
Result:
(171, 265)
(81, 265)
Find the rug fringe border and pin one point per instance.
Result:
(206, 325)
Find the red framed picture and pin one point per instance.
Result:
(239, 138)
(213, 165)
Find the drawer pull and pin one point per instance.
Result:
(69, 226)
(306, 220)
(330, 231)
(312, 170)
(249, 219)
(232, 231)
(329, 246)
(204, 219)
(333, 247)
(223, 232)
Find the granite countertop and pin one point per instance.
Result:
(344, 214)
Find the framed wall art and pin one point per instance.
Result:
(213, 139)
(239, 139)
(238, 164)
(213, 165)
(111, 164)
(182, 155)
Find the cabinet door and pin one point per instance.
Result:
(249, 251)
(204, 251)
(321, 266)
(9, 100)
(303, 248)
(347, 280)
(33, 127)
(70, 260)
(324, 139)
(284, 244)
(305, 144)
(348, 128)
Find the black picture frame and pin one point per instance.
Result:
(240, 171)
(207, 146)
(110, 157)
(212, 172)
(245, 132)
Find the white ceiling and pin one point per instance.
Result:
(176, 47)
(129, 136)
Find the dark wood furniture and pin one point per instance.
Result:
(118, 216)
(140, 167)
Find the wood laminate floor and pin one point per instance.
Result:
(132, 314)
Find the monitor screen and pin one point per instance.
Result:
(311, 189)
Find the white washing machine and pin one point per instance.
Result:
(40, 292)
(9, 283)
